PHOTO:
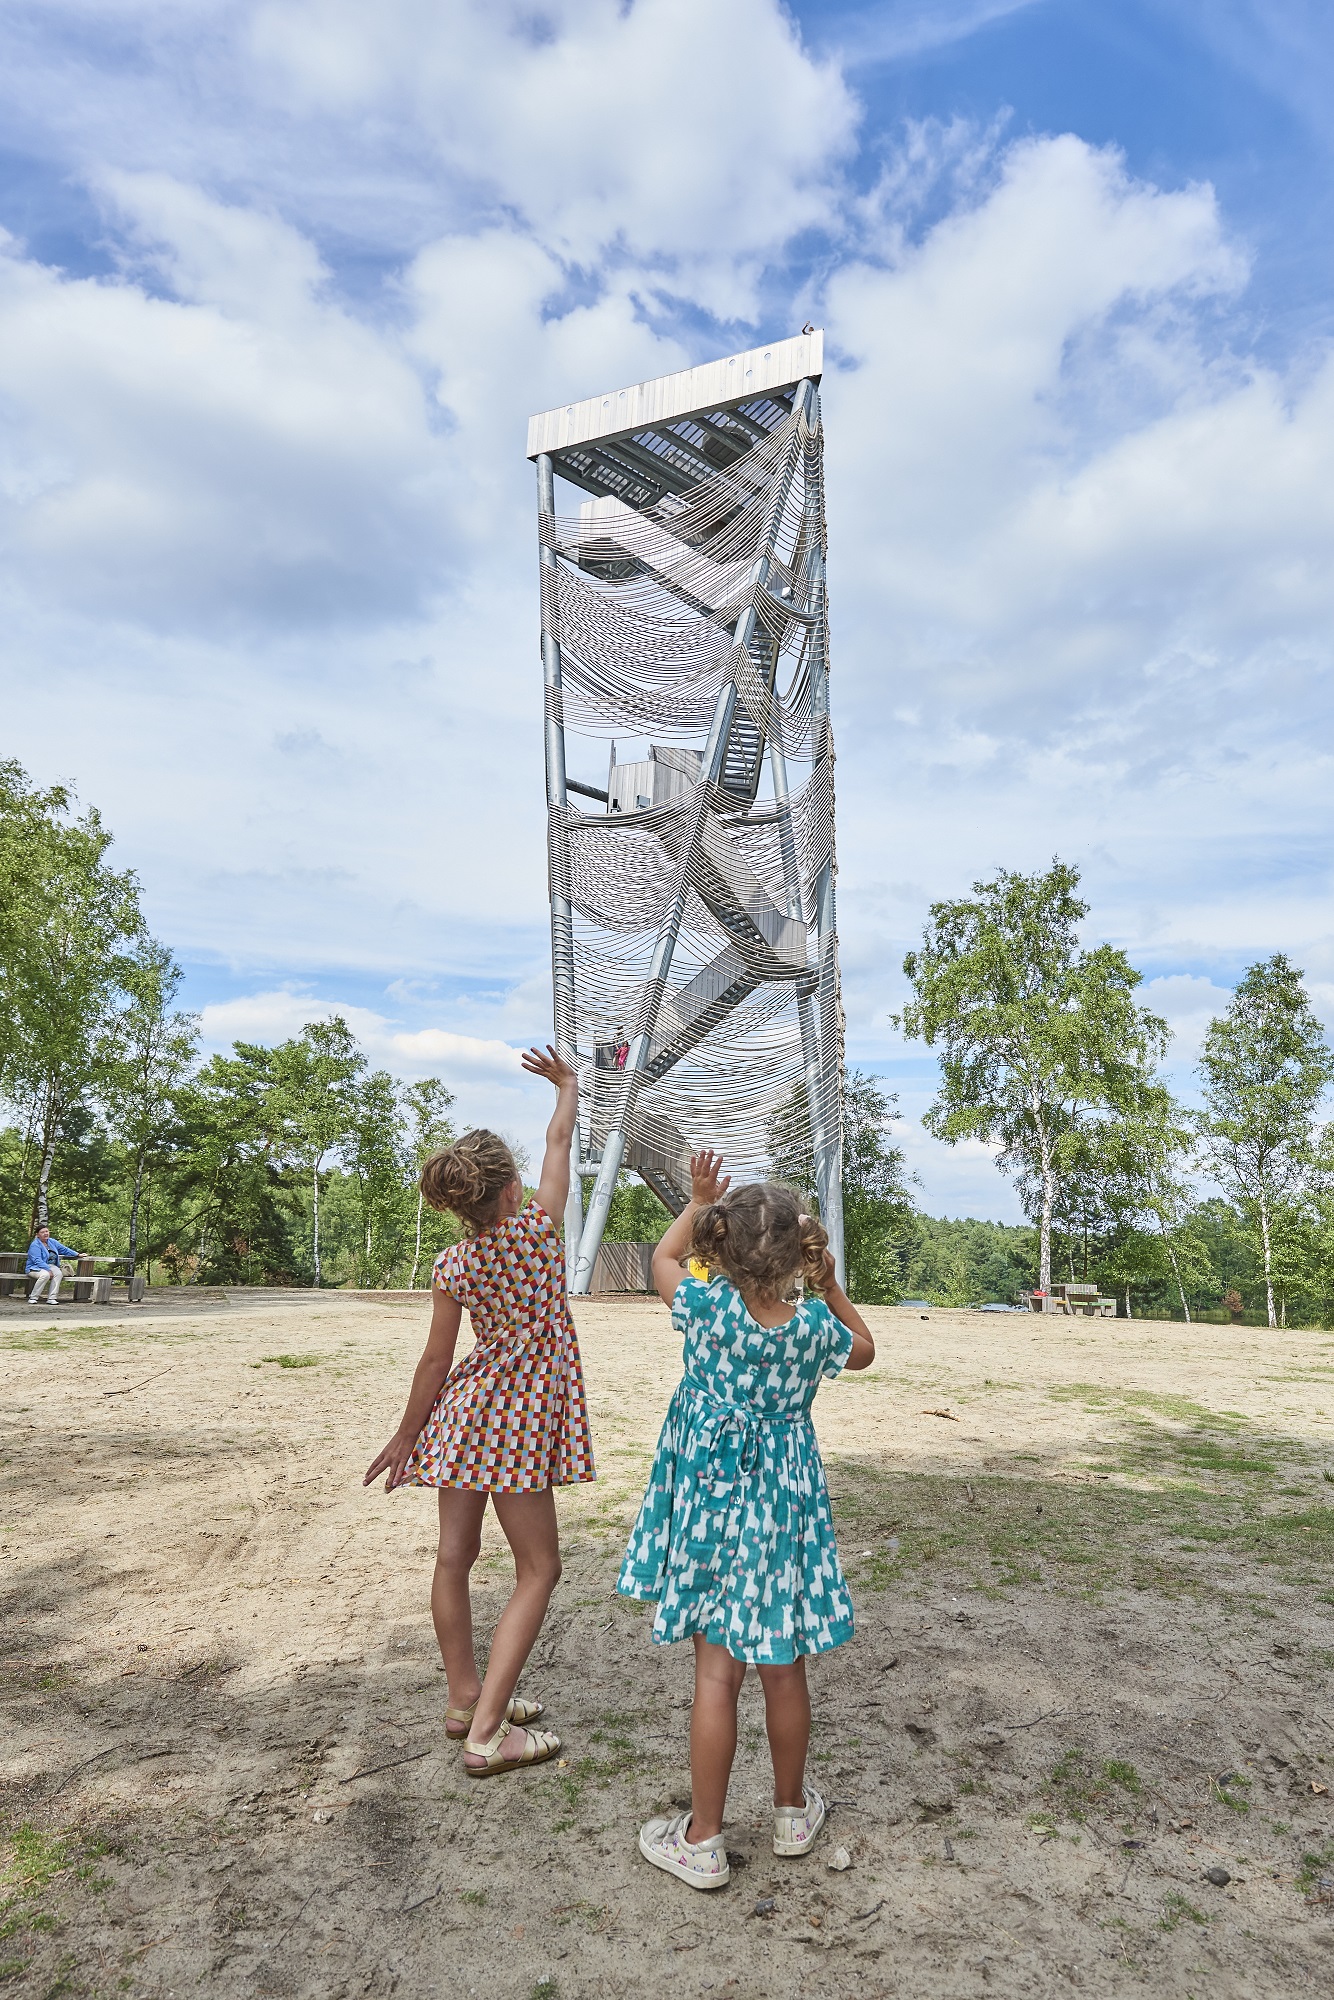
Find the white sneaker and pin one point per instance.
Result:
(701, 1865)
(795, 1827)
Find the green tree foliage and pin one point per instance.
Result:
(636, 1215)
(232, 1197)
(878, 1230)
(318, 1077)
(69, 924)
(427, 1106)
(146, 1057)
(1038, 1038)
(1264, 1068)
(967, 1262)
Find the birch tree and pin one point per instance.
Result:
(428, 1105)
(315, 1075)
(1038, 1038)
(147, 1055)
(1265, 1066)
(377, 1156)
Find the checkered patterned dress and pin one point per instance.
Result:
(512, 1417)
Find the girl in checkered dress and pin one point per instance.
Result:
(506, 1424)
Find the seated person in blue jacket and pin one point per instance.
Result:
(44, 1255)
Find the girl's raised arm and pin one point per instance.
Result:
(841, 1306)
(553, 1187)
(705, 1187)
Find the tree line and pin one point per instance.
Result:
(298, 1164)
(1047, 1057)
(289, 1165)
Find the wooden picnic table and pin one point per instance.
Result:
(87, 1286)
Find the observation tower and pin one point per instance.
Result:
(690, 777)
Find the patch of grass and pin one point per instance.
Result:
(1175, 1907)
(1315, 1877)
(290, 1360)
(1225, 1788)
(1076, 1784)
(545, 1989)
(34, 1863)
(1017, 1529)
(1179, 1409)
(595, 1917)
(475, 1897)
(35, 1859)
(41, 1337)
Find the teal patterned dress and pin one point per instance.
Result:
(735, 1538)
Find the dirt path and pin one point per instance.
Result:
(1096, 1634)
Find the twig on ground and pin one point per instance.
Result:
(390, 1764)
(129, 1386)
(84, 1766)
(1050, 1714)
(140, 1757)
(408, 1908)
(947, 1414)
(875, 1909)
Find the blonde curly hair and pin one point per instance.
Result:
(469, 1177)
(760, 1237)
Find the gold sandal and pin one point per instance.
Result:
(519, 1711)
(540, 1746)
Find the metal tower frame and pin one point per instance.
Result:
(686, 592)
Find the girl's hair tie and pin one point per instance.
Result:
(803, 1218)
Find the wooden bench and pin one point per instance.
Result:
(87, 1286)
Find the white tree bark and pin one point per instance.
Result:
(315, 1210)
(417, 1246)
(1269, 1273)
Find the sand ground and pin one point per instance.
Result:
(1092, 1570)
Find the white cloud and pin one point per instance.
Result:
(884, 32)
(1188, 1003)
(602, 126)
(457, 1053)
(247, 451)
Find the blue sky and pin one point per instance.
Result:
(283, 278)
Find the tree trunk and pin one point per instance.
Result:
(1176, 1273)
(1269, 1274)
(1176, 1268)
(1129, 1314)
(1044, 1239)
(134, 1211)
(50, 1133)
(315, 1211)
(417, 1246)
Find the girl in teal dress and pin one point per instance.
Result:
(735, 1542)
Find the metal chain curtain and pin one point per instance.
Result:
(701, 988)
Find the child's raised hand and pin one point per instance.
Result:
(706, 1186)
(552, 1066)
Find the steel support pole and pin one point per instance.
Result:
(558, 857)
(613, 1152)
(829, 1162)
(812, 1068)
